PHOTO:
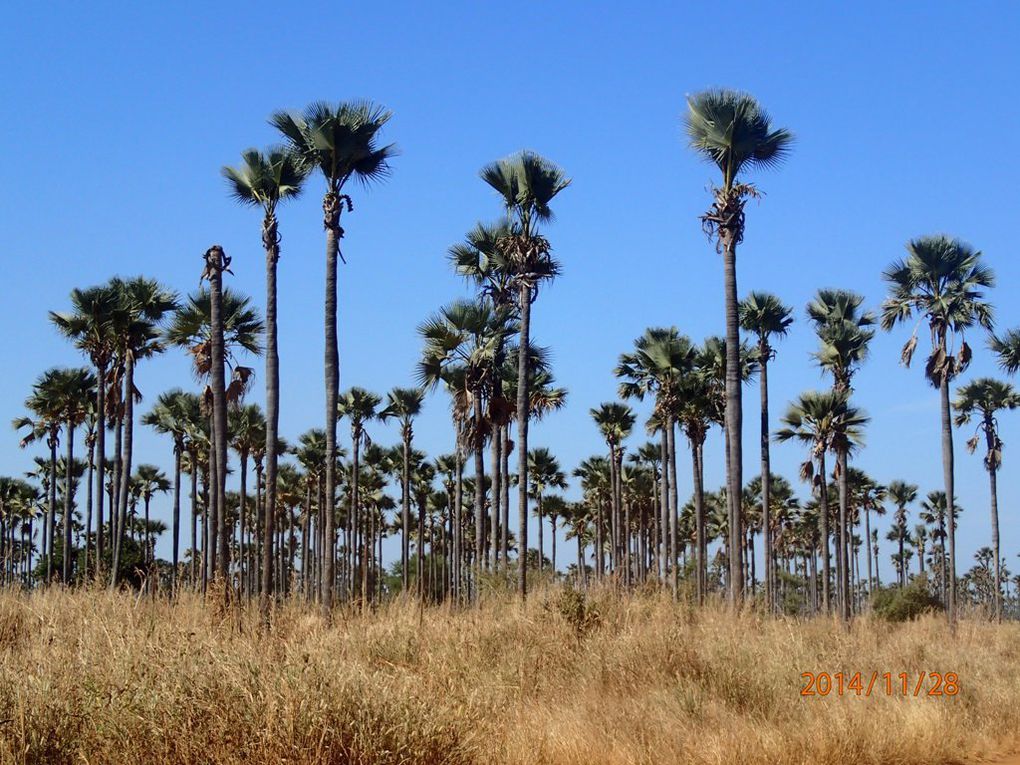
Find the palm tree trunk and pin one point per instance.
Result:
(552, 528)
(194, 517)
(947, 473)
(504, 494)
(734, 414)
(823, 512)
(843, 562)
(125, 462)
(68, 505)
(242, 511)
(405, 510)
(665, 532)
(331, 366)
(265, 531)
(766, 487)
(458, 523)
(176, 518)
(495, 466)
(523, 416)
(215, 263)
(701, 541)
(541, 541)
(479, 488)
(100, 447)
(867, 543)
(992, 483)
(89, 499)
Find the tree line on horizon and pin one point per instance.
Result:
(315, 526)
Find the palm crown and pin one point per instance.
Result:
(732, 130)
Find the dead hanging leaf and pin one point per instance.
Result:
(972, 443)
(963, 356)
(937, 366)
(907, 354)
(240, 384)
(807, 471)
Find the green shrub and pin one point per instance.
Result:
(896, 604)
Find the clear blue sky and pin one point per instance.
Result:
(118, 118)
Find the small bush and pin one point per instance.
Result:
(582, 615)
(896, 604)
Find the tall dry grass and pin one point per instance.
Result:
(95, 677)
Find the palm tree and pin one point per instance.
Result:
(170, 416)
(404, 404)
(460, 343)
(264, 180)
(360, 407)
(735, 133)
(919, 539)
(844, 335)
(150, 481)
(74, 390)
(341, 142)
(527, 184)
(934, 512)
(660, 363)
(544, 473)
(144, 304)
(942, 280)
(191, 328)
(824, 421)
(615, 421)
(767, 317)
(90, 326)
(901, 494)
(247, 430)
(983, 399)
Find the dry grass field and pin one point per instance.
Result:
(94, 677)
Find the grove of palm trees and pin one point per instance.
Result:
(226, 537)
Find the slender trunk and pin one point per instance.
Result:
(100, 461)
(504, 494)
(458, 524)
(270, 242)
(766, 483)
(665, 532)
(216, 262)
(523, 416)
(405, 509)
(68, 505)
(947, 472)
(993, 487)
(331, 364)
(541, 541)
(823, 510)
(479, 488)
(495, 465)
(552, 529)
(734, 415)
(867, 544)
(697, 454)
(89, 499)
(125, 463)
(242, 510)
(178, 447)
(843, 560)
(194, 516)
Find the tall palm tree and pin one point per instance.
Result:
(404, 404)
(901, 494)
(824, 421)
(527, 184)
(76, 390)
(983, 399)
(544, 473)
(170, 416)
(460, 343)
(144, 305)
(247, 432)
(844, 334)
(942, 280)
(191, 328)
(661, 361)
(615, 422)
(767, 317)
(342, 142)
(264, 179)
(734, 132)
(150, 481)
(934, 512)
(90, 326)
(360, 407)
